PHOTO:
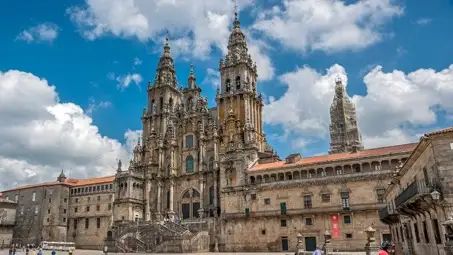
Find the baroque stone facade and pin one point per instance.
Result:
(420, 199)
(212, 167)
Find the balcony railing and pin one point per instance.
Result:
(417, 187)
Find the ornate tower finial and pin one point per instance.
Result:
(236, 22)
(192, 78)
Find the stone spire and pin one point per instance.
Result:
(191, 81)
(344, 130)
(165, 73)
(237, 46)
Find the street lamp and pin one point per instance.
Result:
(370, 234)
(327, 237)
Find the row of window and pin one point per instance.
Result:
(104, 187)
(238, 83)
(98, 208)
(308, 201)
(87, 223)
(76, 200)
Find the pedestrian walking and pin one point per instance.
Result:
(40, 252)
(10, 251)
(54, 252)
(106, 250)
(27, 250)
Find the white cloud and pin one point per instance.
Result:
(396, 106)
(212, 78)
(46, 32)
(94, 105)
(423, 21)
(327, 25)
(41, 135)
(124, 81)
(194, 27)
(137, 61)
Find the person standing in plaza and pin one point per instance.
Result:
(40, 252)
(54, 252)
(106, 250)
(384, 249)
(27, 250)
(317, 251)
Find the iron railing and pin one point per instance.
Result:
(417, 187)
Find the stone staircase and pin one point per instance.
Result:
(159, 237)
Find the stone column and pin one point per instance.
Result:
(159, 201)
(160, 160)
(216, 153)
(146, 198)
(200, 156)
(171, 212)
(201, 210)
(215, 191)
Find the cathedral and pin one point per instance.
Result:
(188, 151)
(205, 179)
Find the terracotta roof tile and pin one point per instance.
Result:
(338, 156)
(442, 131)
(69, 182)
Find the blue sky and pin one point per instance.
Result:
(99, 55)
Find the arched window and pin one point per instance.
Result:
(189, 141)
(170, 104)
(190, 204)
(189, 164)
(238, 82)
(153, 106)
(227, 85)
(189, 104)
(211, 195)
(211, 163)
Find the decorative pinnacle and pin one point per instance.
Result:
(166, 46)
(236, 19)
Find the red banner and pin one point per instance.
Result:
(335, 226)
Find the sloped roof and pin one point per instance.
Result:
(69, 182)
(338, 156)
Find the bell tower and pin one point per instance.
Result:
(237, 96)
(344, 129)
(239, 110)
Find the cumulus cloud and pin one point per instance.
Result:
(325, 24)
(395, 107)
(195, 27)
(46, 32)
(41, 135)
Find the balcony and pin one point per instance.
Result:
(388, 215)
(416, 197)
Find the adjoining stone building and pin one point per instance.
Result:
(47, 211)
(420, 196)
(7, 220)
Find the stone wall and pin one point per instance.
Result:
(83, 228)
(263, 229)
(7, 221)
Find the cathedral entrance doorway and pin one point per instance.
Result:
(190, 204)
